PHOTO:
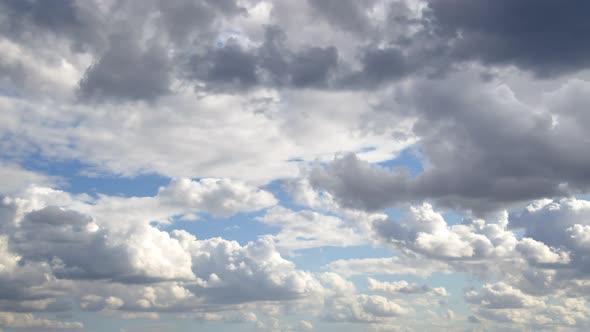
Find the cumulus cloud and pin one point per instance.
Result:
(509, 307)
(344, 304)
(531, 44)
(426, 232)
(501, 296)
(558, 224)
(65, 244)
(220, 197)
(473, 137)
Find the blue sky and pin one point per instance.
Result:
(317, 165)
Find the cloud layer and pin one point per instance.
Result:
(383, 165)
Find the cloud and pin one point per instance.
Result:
(403, 287)
(220, 197)
(305, 326)
(344, 304)
(17, 178)
(382, 307)
(447, 138)
(538, 252)
(241, 150)
(546, 43)
(506, 306)
(426, 232)
(255, 272)
(348, 15)
(398, 265)
(557, 224)
(501, 296)
(307, 229)
(127, 71)
(79, 247)
(473, 136)
(29, 321)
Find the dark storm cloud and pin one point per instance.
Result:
(385, 64)
(30, 19)
(185, 21)
(227, 67)
(129, 65)
(545, 36)
(227, 7)
(128, 72)
(483, 150)
(312, 66)
(64, 238)
(232, 67)
(53, 15)
(273, 55)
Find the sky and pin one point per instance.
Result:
(311, 165)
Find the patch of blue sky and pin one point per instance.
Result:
(242, 227)
(315, 259)
(410, 159)
(455, 284)
(394, 214)
(76, 179)
(277, 188)
(452, 217)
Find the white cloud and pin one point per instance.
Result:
(425, 231)
(15, 179)
(538, 252)
(29, 321)
(403, 287)
(94, 245)
(305, 326)
(220, 197)
(382, 307)
(309, 229)
(223, 139)
(398, 265)
(502, 296)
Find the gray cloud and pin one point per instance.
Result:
(483, 148)
(312, 66)
(26, 20)
(561, 224)
(67, 240)
(541, 36)
(132, 61)
(229, 67)
(232, 67)
(128, 71)
(268, 91)
(59, 250)
(349, 15)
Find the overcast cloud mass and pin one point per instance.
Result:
(313, 165)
